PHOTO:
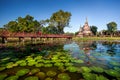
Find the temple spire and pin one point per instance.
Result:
(86, 20)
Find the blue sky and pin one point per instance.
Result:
(98, 12)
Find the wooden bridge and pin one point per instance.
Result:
(21, 35)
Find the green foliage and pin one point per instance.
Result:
(26, 24)
(97, 69)
(101, 78)
(89, 76)
(32, 78)
(2, 68)
(22, 72)
(93, 29)
(41, 75)
(112, 73)
(85, 69)
(72, 69)
(33, 71)
(112, 27)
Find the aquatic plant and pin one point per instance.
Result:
(23, 64)
(22, 72)
(39, 64)
(77, 61)
(71, 69)
(31, 62)
(85, 69)
(89, 76)
(97, 69)
(12, 78)
(33, 71)
(31, 78)
(101, 78)
(38, 58)
(62, 68)
(68, 64)
(2, 76)
(63, 76)
(58, 64)
(115, 63)
(112, 73)
(48, 65)
(10, 65)
(48, 78)
(51, 73)
(41, 75)
(117, 69)
(2, 68)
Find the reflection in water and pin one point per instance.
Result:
(95, 53)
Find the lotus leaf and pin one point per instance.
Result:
(29, 58)
(63, 57)
(47, 61)
(12, 78)
(68, 64)
(33, 71)
(72, 69)
(97, 69)
(101, 78)
(65, 61)
(63, 76)
(20, 61)
(32, 78)
(41, 75)
(58, 64)
(31, 63)
(22, 72)
(115, 63)
(51, 73)
(112, 73)
(89, 76)
(2, 68)
(40, 60)
(2, 76)
(85, 69)
(47, 65)
(39, 65)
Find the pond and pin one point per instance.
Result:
(62, 60)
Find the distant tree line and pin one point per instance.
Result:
(54, 25)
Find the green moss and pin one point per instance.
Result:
(97, 69)
(63, 76)
(2, 76)
(22, 72)
(32, 78)
(51, 73)
(41, 75)
(12, 78)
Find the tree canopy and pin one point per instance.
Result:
(93, 29)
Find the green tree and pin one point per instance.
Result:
(93, 29)
(60, 19)
(112, 28)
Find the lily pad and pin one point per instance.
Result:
(89, 76)
(39, 64)
(12, 78)
(68, 64)
(112, 73)
(97, 69)
(51, 73)
(48, 65)
(32, 78)
(41, 75)
(33, 71)
(22, 72)
(2, 68)
(85, 69)
(72, 69)
(58, 64)
(78, 61)
(2, 76)
(101, 78)
(63, 76)
(48, 78)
